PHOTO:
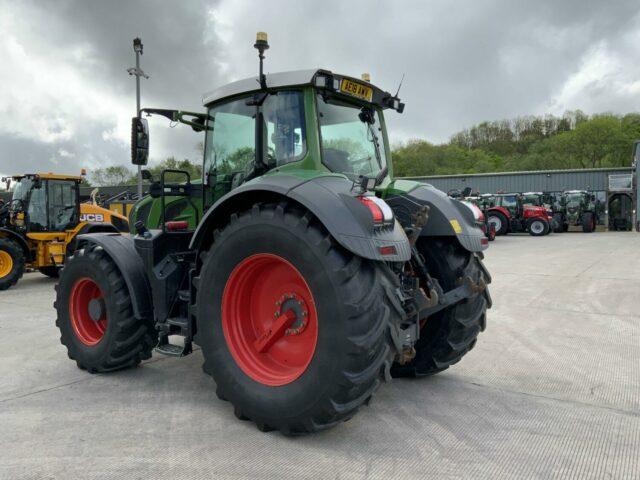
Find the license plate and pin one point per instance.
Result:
(356, 89)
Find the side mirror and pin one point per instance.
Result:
(37, 184)
(139, 141)
(146, 175)
(466, 192)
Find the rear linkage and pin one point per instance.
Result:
(410, 297)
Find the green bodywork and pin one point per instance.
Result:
(574, 204)
(309, 166)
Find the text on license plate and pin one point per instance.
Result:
(356, 89)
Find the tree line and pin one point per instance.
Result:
(574, 140)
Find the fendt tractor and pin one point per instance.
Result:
(509, 214)
(40, 224)
(577, 208)
(306, 273)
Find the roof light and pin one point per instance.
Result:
(261, 40)
(366, 77)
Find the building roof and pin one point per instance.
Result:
(274, 80)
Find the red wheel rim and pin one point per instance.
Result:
(269, 319)
(89, 324)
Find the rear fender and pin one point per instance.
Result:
(90, 228)
(447, 217)
(5, 232)
(328, 197)
(504, 211)
(122, 251)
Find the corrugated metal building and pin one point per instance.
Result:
(536, 181)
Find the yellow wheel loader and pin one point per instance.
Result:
(39, 225)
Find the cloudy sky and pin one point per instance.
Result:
(66, 99)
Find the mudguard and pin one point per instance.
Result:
(122, 251)
(90, 227)
(5, 232)
(329, 197)
(447, 217)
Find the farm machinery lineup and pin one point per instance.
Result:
(305, 272)
(39, 226)
(508, 213)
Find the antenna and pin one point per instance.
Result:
(261, 45)
(401, 80)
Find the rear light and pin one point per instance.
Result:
(477, 213)
(387, 250)
(380, 211)
(176, 225)
(484, 242)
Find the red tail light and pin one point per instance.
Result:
(380, 211)
(176, 225)
(376, 211)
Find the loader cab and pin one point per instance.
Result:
(45, 203)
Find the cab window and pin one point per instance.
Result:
(62, 205)
(37, 211)
(283, 114)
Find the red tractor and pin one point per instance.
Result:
(509, 214)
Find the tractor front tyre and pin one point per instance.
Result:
(558, 223)
(293, 328)
(95, 315)
(50, 271)
(451, 333)
(588, 222)
(538, 227)
(11, 263)
(499, 222)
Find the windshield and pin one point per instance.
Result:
(532, 200)
(574, 199)
(21, 190)
(351, 145)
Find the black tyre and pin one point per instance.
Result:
(11, 263)
(451, 333)
(268, 262)
(51, 271)
(588, 222)
(538, 227)
(95, 316)
(500, 222)
(558, 223)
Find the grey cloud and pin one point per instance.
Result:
(464, 61)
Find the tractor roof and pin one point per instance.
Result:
(49, 176)
(296, 78)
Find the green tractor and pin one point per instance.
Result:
(577, 208)
(303, 270)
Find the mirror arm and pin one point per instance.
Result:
(179, 116)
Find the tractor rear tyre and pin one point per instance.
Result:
(500, 222)
(588, 222)
(11, 263)
(95, 316)
(538, 227)
(293, 328)
(51, 271)
(451, 333)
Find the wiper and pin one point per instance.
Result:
(376, 144)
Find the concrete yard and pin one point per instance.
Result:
(552, 390)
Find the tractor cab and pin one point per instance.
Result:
(302, 123)
(43, 202)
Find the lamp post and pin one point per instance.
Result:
(137, 71)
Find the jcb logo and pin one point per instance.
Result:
(92, 217)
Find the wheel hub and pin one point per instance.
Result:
(6, 263)
(269, 319)
(97, 309)
(87, 311)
